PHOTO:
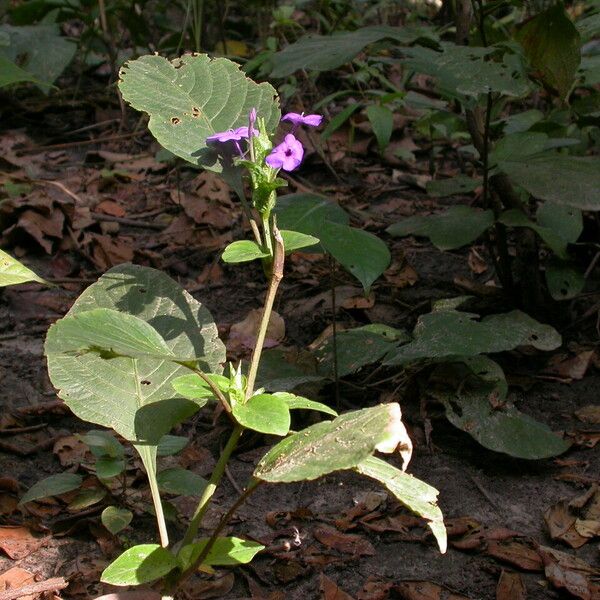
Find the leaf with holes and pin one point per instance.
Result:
(564, 281)
(335, 445)
(457, 227)
(193, 97)
(450, 334)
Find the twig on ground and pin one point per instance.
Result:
(50, 585)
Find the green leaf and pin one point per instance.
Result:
(294, 240)
(306, 213)
(333, 445)
(284, 370)
(446, 334)
(382, 121)
(140, 564)
(356, 348)
(552, 45)
(243, 251)
(359, 252)
(461, 184)
(339, 120)
(103, 443)
(181, 482)
(457, 227)
(323, 53)
(575, 179)
(413, 493)
(38, 49)
(193, 97)
(106, 332)
(171, 444)
(298, 402)
(516, 218)
(11, 74)
(12, 271)
(107, 467)
(226, 551)
(135, 396)
(265, 413)
(566, 221)
(564, 281)
(115, 519)
(52, 486)
(503, 430)
(193, 387)
(87, 498)
(467, 70)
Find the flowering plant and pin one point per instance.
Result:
(139, 355)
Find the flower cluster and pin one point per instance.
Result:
(287, 155)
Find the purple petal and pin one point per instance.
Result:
(288, 155)
(302, 119)
(313, 120)
(292, 117)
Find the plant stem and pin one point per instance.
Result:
(254, 483)
(276, 277)
(211, 384)
(266, 225)
(336, 377)
(210, 488)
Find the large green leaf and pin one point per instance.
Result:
(447, 334)
(415, 494)
(574, 180)
(552, 45)
(109, 333)
(468, 70)
(140, 564)
(357, 348)
(323, 53)
(360, 252)
(504, 429)
(307, 213)
(458, 226)
(12, 271)
(192, 97)
(334, 445)
(566, 221)
(11, 73)
(226, 551)
(52, 486)
(181, 482)
(135, 397)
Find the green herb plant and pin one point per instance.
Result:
(137, 354)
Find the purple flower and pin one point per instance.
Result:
(287, 155)
(234, 135)
(302, 119)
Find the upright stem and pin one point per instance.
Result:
(336, 377)
(210, 488)
(276, 277)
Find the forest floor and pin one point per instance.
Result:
(93, 198)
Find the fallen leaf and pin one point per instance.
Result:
(16, 578)
(568, 572)
(476, 262)
(585, 438)
(347, 543)
(108, 252)
(425, 590)
(401, 275)
(374, 589)
(572, 368)
(110, 207)
(518, 554)
(561, 525)
(243, 334)
(331, 591)
(19, 542)
(70, 450)
(510, 587)
(589, 414)
(477, 538)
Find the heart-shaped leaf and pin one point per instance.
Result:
(266, 413)
(193, 97)
(115, 519)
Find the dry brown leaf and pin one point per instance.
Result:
(516, 553)
(243, 334)
(331, 591)
(571, 368)
(16, 578)
(374, 589)
(70, 450)
(476, 262)
(568, 572)
(424, 590)
(347, 543)
(561, 525)
(510, 587)
(347, 296)
(110, 207)
(19, 542)
(477, 538)
(589, 414)
(401, 275)
(108, 252)
(584, 437)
